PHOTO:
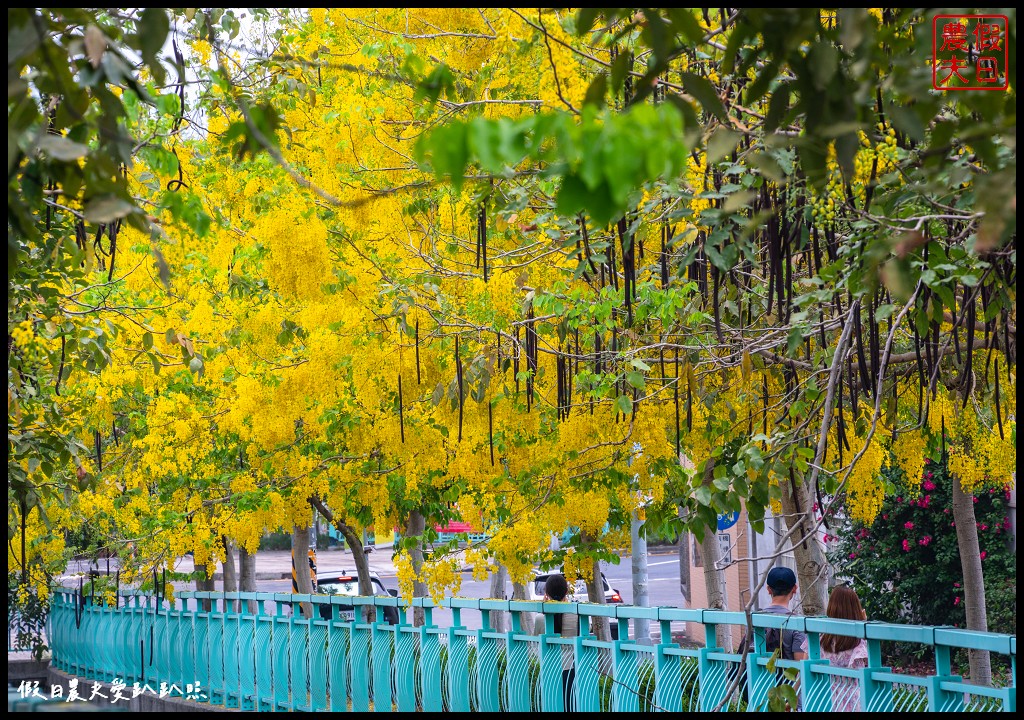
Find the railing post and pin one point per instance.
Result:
(406, 665)
(517, 666)
(339, 643)
(317, 653)
(550, 668)
(458, 666)
(711, 693)
(487, 650)
(588, 672)
(431, 668)
(279, 649)
(667, 673)
(381, 650)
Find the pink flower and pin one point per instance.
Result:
(956, 601)
(899, 499)
(946, 510)
(928, 474)
(908, 525)
(975, 499)
(983, 554)
(853, 555)
(925, 540)
(885, 516)
(906, 546)
(982, 526)
(928, 484)
(956, 584)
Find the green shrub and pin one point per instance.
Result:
(906, 565)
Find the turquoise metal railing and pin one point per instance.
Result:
(255, 651)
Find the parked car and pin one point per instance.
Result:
(577, 593)
(346, 583)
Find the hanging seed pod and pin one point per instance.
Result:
(968, 379)
(675, 400)
(401, 414)
(490, 430)
(689, 398)
(482, 235)
(666, 237)
(585, 234)
(862, 365)
(715, 275)
(515, 360)
(628, 268)
(112, 232)
(956, 327)
(853, 388)
(99, 451)
(920, 373)
(999, 411)
(458, 375)
(417, 338)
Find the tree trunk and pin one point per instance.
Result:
(714, 575)
(499, 618)
(206, 585)
(230, 575)
(974, 579)
(414, 528)
(247, 575)
(641, 626)
(798, 509)
(355, 544)
(595, 594)
(526, 618)
(301, 574)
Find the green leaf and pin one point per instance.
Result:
(60, 148)
(596, 91)
(624, 404)
(153, 28)
(107, 208)
(147, 340)
(883, 311)
(635, 379)
(705, 93)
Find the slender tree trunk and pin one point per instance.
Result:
(641, 626)
(355, 544)
(300, 566)
(499, 618)
(414, 528)
(247, 575)
(798, 509)
(714, 575)
(206, 584)
(595, 594)
(230, 575)
(526, 618)
(974, 579)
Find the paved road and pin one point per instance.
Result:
(273, 575)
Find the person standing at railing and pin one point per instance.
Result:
(843, 651)
(555, 589)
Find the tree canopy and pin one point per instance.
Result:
(508, 266)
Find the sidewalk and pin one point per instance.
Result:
(277, 564)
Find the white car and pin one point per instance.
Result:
(346, 583)
(577, 593)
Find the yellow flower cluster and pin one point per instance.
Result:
(864, 489)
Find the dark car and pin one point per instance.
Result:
(340, 582)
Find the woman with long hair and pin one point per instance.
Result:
(843, 651)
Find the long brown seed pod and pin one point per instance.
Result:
(417, 337)
(458, 374)
(490, 430)
(401, 414)
(675, 399)
(968, 379)
(999, 411)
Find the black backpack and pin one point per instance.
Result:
(772, 641)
